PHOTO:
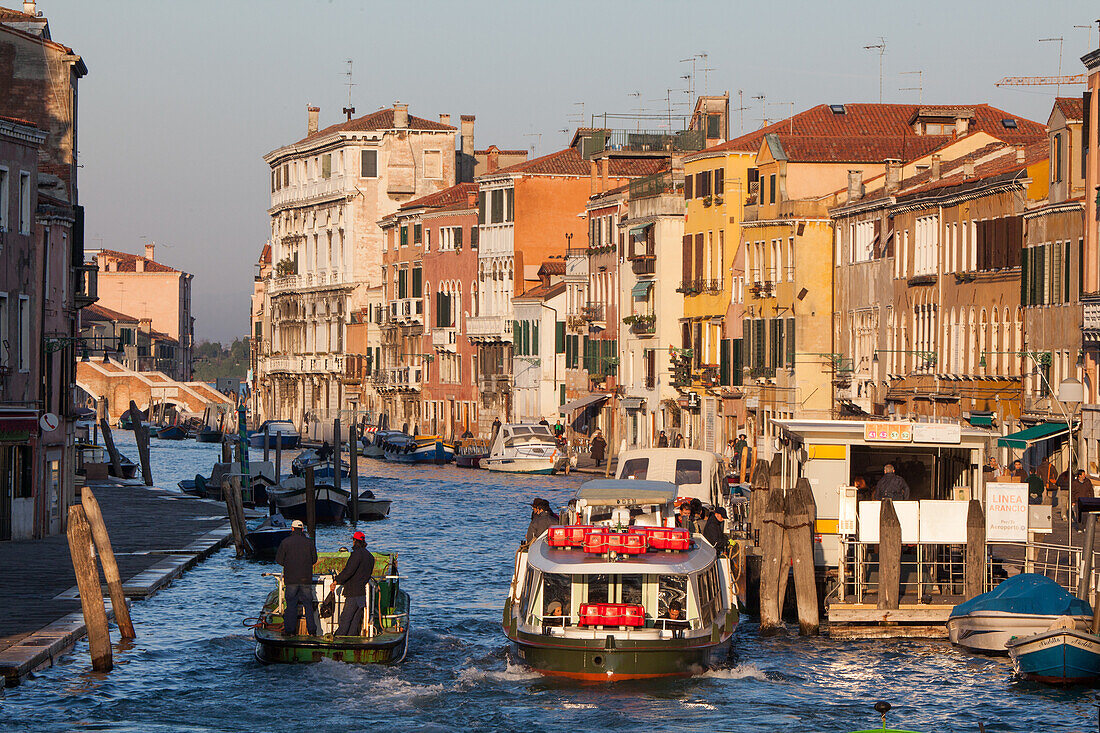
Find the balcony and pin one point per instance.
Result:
(644, 265)
(762, 372)
(644, 141)
(85, 284)
(406, 312)
(1090, 325)
(490, 383)
(445, 339)
(319, 280)
(307, 364)
(656, 185)
(592, 312)
(712, 286)
(762, 289)
(642, 325)
(489, 328)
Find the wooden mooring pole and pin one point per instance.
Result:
(267, 443)
(801, 514)
(337, 479)
(889, 557)
(974, 568)
(112, 451)
(1086, 558)
(234, 507)
(758, 496)
(353, 474)
(773, 572)
(311, 506)
(141, 437)
(107, 561)
(279, 457)
(91, 593)
(227, 450)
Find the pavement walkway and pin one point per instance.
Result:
(156, 535)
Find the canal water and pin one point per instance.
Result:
(192, 666)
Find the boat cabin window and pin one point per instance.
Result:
(528, 436)
(671, 588)
(602, 588)
(931, 473)
(527, 596)
(556, 594)
(709, 594)
(635, 468)
(630, 589)
(598, 588)
(688, 471)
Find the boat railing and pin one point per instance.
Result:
(934, 573)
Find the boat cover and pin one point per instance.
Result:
(1026, 593)
(627, 492)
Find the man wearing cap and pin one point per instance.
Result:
(541, 518)
(354, 577)
(297, 555)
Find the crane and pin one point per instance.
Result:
(1041, 81)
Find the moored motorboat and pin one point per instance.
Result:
(615, 592)
(385, 632)
(374, 442)
(321, 468)
(1023, 605)
(371, 508)
(289, 499)
(207, 434)
(171, 432)
(404, 448)
(262, 542)
(469, 452)
(1058, 656)
(280, 434)
(524, 448)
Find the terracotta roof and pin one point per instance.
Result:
(568, 162)
(10, 14)
(128, 262)
(543, 292)
(552, 267)
(17, 120)
(458, 194)
(97, 312)
(380, 120)
(1073, 108)
(807, 148)
(161, 336)
(866, 121)
(495, 149)
(989, 162)
(265, 254)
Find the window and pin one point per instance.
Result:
(1056, 158)
(417, 288)
(689, 188)
(771, 188)
(498, 206)
(24, 333)
(418, 234)
(4, 224)
(714, 126)
(5, 345)
(702, 184)
(559, 338)
(326, 165)
(509, 209)
(404, 236)
(25, 203)
(368, 164)
(433, 164)
(402, 283)
(481, 207)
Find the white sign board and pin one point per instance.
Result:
(908, 516)
(1006, 512)
(943, 521)
(846, 522)
(1039, 519)
(936, 433)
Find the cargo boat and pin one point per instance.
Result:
(385, 632)
(615, 567)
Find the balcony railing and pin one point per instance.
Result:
(322, 278)
(689, 287)
(765, 372)
(592, 312)
(647, 266)
(644, 325)
(489, 327)
(1090, 324)
(645, 141)
(85, 284)
(404, 379)
(445, 338)
(656, 185)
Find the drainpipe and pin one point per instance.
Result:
(555, 353)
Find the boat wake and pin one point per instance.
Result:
(740, 672)
(471, 676)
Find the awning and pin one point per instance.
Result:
(641, 289)
(633, 403)
(981, 419)
(585, 401)
(640, 228)
(1024, 439)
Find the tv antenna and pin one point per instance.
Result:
(538, 139)
(1061, 42)
(350, 109)
(741, 111)
(1089, 29)
(919, 88)
(763, 108)
(881, 46)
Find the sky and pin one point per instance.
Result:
(184, 97)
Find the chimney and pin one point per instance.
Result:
(149, 250)
(101, 261)
(444, 118)
(962, 124)
(1020, 154)
(936, 167)
(893, 174)
(855, 185)
(28, 7)
(968, 169)
(603, 175)
(145, 325)
(314, 113)
(139, 265)
(492, 159)
(400, 116)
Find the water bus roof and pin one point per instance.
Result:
(855, 431)
(552, 560)
(627, 492)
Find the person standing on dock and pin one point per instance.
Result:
(297, 555)
(541, 518)
(599, 445)
(496, 428)
(354, 577)
(891, 486)
(662, 440)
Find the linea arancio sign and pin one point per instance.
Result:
(890, 432)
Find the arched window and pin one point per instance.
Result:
(995, 345)
(982, 338)
(1017, 329)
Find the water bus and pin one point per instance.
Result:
(385, 633)
(617, 591)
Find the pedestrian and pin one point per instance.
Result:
(354, 578)
(1019, 471)
(1081, 488)
(324, 452)
(891, 486)
(662, 440)
(1035, 489)
(559, 429)
(739, 447)
(297, 555)
(541, 518)
(599, 446)
(990, 470)
(714, 531)
(730, 453)
(679, 441)
(496, 427)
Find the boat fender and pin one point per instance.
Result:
(1063, 623)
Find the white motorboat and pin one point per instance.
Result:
(524, 448)
(280, 433)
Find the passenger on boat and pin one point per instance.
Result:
(559, 429)
(297, 555)
(324, 452)
(675, 620)
(541, 518)
(354, 577)
(712, 529)
(554, 609)
(496, 427)
(891, 486)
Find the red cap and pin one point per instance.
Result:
(359, 536)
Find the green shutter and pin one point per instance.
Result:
(417, 289)
(724, 362)
(535, 338)
(1065, 272)
(458, 238)
(559, 337)
(790, 343)
(758, 343)
(746, 340)
(738, 363)
(404, 236)
(1023, 278)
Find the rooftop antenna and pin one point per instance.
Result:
(741, 111)
(577, 117)
(691, 81)
(538, 139)
(763, 108)
(350, 109)
(919, 88)
(881, 46)
(705, 69)
(1089, 29)
(640, 109)
(1058, 86)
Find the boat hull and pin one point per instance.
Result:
(279, 440)
(987, 632)
(438, 453)
(275, 648)
(1060, 657)
(371, 510)
(263, 544)
(208, 436)
(520, 465)
(470, 461)
(590, 660)
(331, 505)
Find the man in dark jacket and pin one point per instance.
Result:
(297, 555)
(354, 577)
(891, 486)
(713, 531)
(541, 519)
(662, 440)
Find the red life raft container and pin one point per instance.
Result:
(571, 535)
(597, 541)
(671, 539)
(612, 614)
